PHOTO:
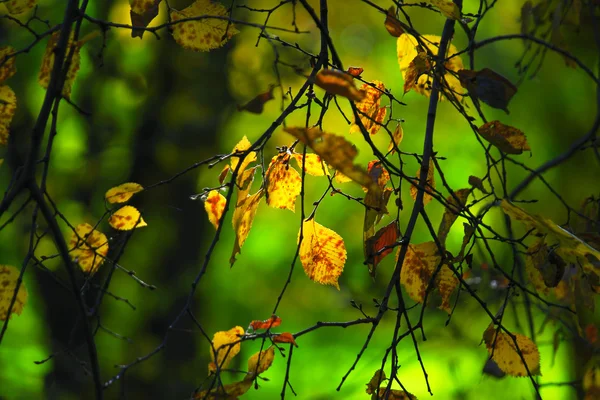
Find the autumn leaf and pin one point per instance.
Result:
(9, 277)
(417, 67)
(142, 13)
(260, 362)
(126, 218)
(376, 201)
(341, 178)
(373, 385)
(429, 185)
(392, 25)
(123, 192)
(338, 83)
(284, 337)
(477, 183)
(535, 257)
(19, 6)
(203, 34)
(322, 253)
(469, 231)
(8, 105)
(591, 379)
(336, 151)
(223, 173)
(420, 263)
(242, 147)
(231, 391)
(407, 50)
(257, 104)
(369, 108)
(7, 68)
(381, 244)
(451, 213)
(88, 247)
(506, 138)
(393, 394)
(506, 354)
(214, 206)
(313, 165)
(397, 137)
(447, 8)
(272, 322)
(243, 216)
(488, 86)
(355, 71)
(225, 345)
(283, 183)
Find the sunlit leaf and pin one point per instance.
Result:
(243, 216)
(355, 71)
(506, 138)
(397, 137)
(142, 13)
(123, 192)
(370, 110)
(506, 354)
(451, 213)
(242, 146)
(488, 86)
(392, 25)
(257, 104)
(260, 362)
(417, 67)
(341, 178)
(215, 205)
(338, 83)
(381, 244)
(225, 345)
(322, 253)
(429, 185)
(272, 322)
(283, 183)
(9, 277)
(8, 67)
(313, 165)
(223, 173)
(284, 337)
(126, 218)
(447, 7)
(88, 247)
(8, 105)
(204, 34)
(19, 6)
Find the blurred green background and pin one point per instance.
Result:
(157, 109)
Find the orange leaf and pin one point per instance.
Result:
(243, 216)
(257, 104)
(223, 173)
(429, 185)
(284, 337)
(225, 345)
(488, 86)
(215, 205)
(338, 83)
(123, 192)
(370, 111)
(126, 218)
(506, 138)
(283, 183)
(142, 13)
(355, 71)
(322, 253)
(272, 322)
(506, 354)
(385, 237)
(88, 247)
(392, 25)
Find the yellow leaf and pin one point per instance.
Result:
(243, 216)
(260, 362)
(313, 165)
(336, 151)
(397, 137)
(8, 105)
(214, 206)
(429, 185)
(322, 253)
(127, 218)
(447, 7)
(203, 34)
(370, 110)
(341, 178)
(48, 63)
(407, 51)
(420, 263)
(451, 213)
(241, 147)
(506, 138)
(88, 247)
(231, 391)
(19, 6)
(8, 68)
(283, 183)
(123, 192)
(9, 276)
(142, 13)
(506, 354)
(338, 83)
(225, 346)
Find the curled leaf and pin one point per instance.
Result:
(243, 216)
(338, 83)
(477, 183)
(355, 71)
(381, 244)
(123, 192)
(506, 138)
(88, 247)
(397, 137)
(284, 337)
(9, 277)
(417, 67)
(225, 345)
(392, 25)
(508, 355)
(215, 205)
(272, 322)
(378, 377)
(126, 218)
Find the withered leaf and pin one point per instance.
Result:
(488, 86)
(272, 322)
(506, 138)
(381, 244)
(257, 104)
(142, 13)
(392, 25)
(429, 185)
(338, 83)
(451, 213)
(284, 337)
(506, 353)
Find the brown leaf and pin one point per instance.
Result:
(385, 237)
(488, 86)
(429, 185)
(142, 13)
(369, 109)
(243, 216)
(272, 322)
(506, 354)
(451, 213)
(397, 137)
(284, 337)
(477, 183)
(417, 67)
(338, 83)
(378, 377)
(506, 138)
(392, 25)
(256, 105)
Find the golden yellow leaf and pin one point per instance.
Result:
(283, 183)
(338, 83)
(397, 137)
(506, 354)
(19, 6)
(142, 13)
(203, 34)
(392, 25)
(214, 206)
(260, 362)
(9, 276)
(225, 345)
(8, 105)
(370, 110)
(429, 185)
(451, 213)
(126, 218)
(243, 216)
(313, 165)
(447, 8)
(123, 192)
(231, 391)
(407, 51)
(341, 178)
(508, 139)
(322, 253)
(88, 247)
(8, 69)
(336, 151)
(420, 263)
(242, 146)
